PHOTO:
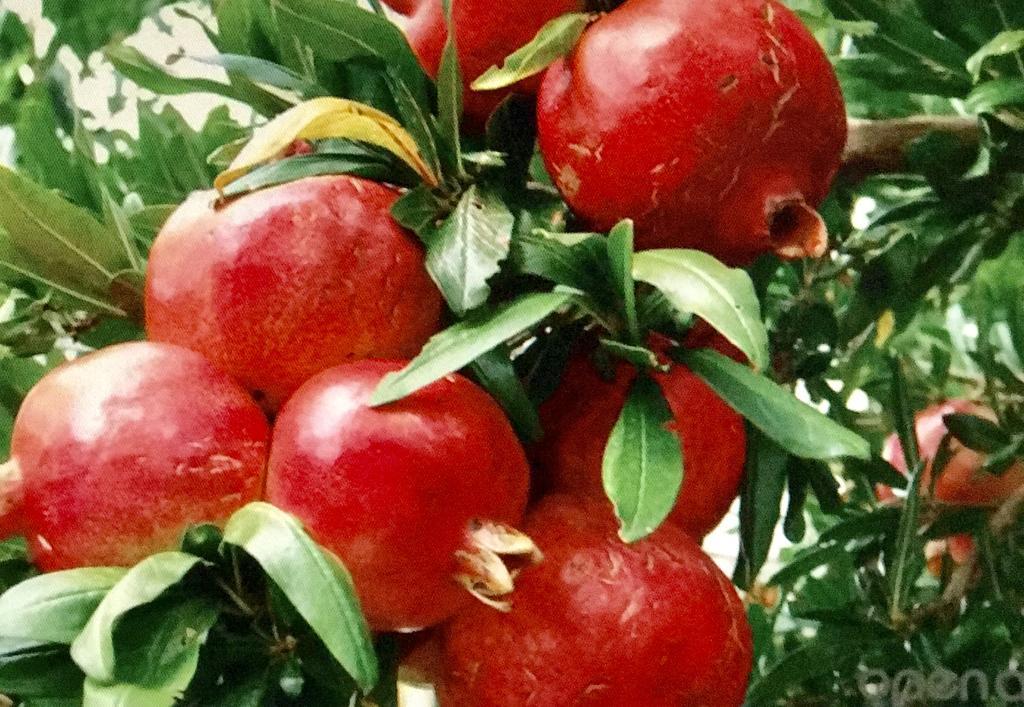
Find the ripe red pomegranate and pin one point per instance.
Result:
(603, 623)
(580, 415)
(416, 497)
(485, 33)
(713, 124)
(281, 284)
(123, 449)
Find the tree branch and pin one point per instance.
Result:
(881, 146)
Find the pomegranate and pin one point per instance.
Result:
(599, 622)
(961, 483)
(415, 497)
(123, 449)
(281, 284)
(485, 33)
(579, 417)
(713, 124)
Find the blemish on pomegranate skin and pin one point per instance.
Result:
(728, 83)
(568, 180)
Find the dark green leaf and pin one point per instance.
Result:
(643, 462)
(639, 356)
(976, 433)
(316, 584)
(620, 259)
(554, 40)
(495, 372)
(449, 100)
(468, 248)
(55, 607)
(796, 427)
(94, 648)
(461, 344)
(764, 480)
(724, 297)
(29, 669)
(1003, 43)
(300, 167)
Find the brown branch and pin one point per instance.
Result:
(881, 146)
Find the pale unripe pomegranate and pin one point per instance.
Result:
(713, 124)
(122, 450)
(286, 282)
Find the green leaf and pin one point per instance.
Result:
(989, 96)
(468, 248)
(316, 584)
(977, 433)
(642, 468)
(29, 669)
(449, 100)
(724, 297)
(461, 344)
(54, 243)
(294, 168)
(639, 356)
(55, 607)
(1006, 42)
(555, 39)
(266, 73)
(573, 260)
(495, 372)
(764, 480)
(340, 31)
(136, 66)
(796, 427)
(620, 259)
(93, 649)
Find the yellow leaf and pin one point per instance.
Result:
(320, 119)
(886, 324)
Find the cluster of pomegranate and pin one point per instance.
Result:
(713, 124)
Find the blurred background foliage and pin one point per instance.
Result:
(122, 108)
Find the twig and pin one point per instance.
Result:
(882, 146)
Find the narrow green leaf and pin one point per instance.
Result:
(39, 670)
(495, 372)
(573, 260)
(117, 220)
(764, 480)
(468, 248)
(642, 468)
(461, 344)
(555, 39)
(294, 168)
(449, 99)
(1003, 43)
(620, 259)
(315, 583)
(49, 240)
(724, 297)
(796, 427)
(55, 607)
(977, 433)
(93, 649)
(639, 356)
(991, 95)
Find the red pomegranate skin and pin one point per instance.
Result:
(392, 491)
(603, 623)
(713, 124)
(286, 282)
(580, 415)
(962, 482)
(123, 449)
(485, 33)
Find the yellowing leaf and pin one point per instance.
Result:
(321, 119)
(886, 325)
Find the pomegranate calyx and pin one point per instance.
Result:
(491, 559)
(796, 230)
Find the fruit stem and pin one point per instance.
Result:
(491, 559)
